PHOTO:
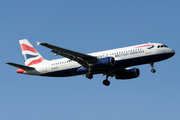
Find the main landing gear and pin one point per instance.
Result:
(106, 82)
(89, 75)
(152, 66)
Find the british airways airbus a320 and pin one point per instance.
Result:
(112, 63)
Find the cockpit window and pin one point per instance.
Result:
(165, 46)
(161, 46)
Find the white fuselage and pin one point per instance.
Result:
(124, 57)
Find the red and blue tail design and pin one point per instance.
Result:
(31, 55)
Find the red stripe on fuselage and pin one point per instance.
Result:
(36, 61)
(25, 47)
(143, 46)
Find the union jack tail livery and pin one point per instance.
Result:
(30, 54)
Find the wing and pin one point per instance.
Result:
(83, 59)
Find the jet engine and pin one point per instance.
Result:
(103, 63)
(99, 64)
(128, 73)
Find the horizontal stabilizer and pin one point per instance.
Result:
(20, 66)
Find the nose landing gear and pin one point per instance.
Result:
(153, 70)
(152, 66)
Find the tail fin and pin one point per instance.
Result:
(31, 55)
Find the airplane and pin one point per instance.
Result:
(112, 63)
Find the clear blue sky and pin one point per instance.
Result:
(89, 26)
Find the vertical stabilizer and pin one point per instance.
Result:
(30, 54)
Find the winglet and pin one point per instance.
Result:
(38, 43)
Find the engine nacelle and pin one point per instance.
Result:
(99, 64)
(103, 63)
(128, 73)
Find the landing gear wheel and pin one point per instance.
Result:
(106, 82)
(89, 75)
(152, 66)
(153, 70)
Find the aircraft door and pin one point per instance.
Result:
(44, 67)
(148, 49)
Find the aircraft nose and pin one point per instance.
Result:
(172, 52)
